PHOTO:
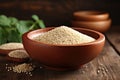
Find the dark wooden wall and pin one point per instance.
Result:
(58, 12)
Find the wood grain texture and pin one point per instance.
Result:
(104, 67)
(113, 36)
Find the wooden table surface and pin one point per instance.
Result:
(104, 67)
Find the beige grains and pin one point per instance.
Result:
(18, 54)
(64, 35)
(102, 69)
(11, 46)
(21, 68)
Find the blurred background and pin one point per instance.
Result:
(58, 12)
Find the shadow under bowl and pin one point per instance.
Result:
(63, 57)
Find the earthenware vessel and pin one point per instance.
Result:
(63, 57)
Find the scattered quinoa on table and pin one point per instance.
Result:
(21, 68)
(64, 35)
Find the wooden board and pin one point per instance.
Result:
(113, 36)
(105, 67)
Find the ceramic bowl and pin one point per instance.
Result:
(6, 51)
(101, 26)
(17, 60)
(63, 57)
(90, 15)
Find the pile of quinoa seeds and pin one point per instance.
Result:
(21, 68)
(64, 35)
(19, 54)
(13, 45)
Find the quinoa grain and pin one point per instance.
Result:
(18, 54)
(64, 35)
(21, 68)
(8, 46)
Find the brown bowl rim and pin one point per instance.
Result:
(6, 51)
(99, 40)
(90, 15)
(104, 21)
(93, 13)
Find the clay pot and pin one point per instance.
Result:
(6, 51)
(101, 26)
(63, 57)
(95, 20)
(90, 16)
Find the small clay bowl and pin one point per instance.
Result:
(6, 51)
(90, 16)
(18, 60)
(63, 57)
(101, 26)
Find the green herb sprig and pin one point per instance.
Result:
(12, 29)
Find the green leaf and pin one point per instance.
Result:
(14, 36)
(13, 21)
(4, 21)
(38, 21)
(11, 29)
(35, 17)
(3, 37)
(33, 26)
(41, 24)
(23, 26)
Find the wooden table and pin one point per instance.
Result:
(105, 67)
